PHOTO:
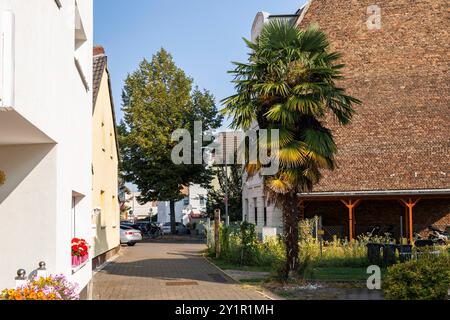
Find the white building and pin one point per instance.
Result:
(138, 210)
(193, 204)
(45, 135)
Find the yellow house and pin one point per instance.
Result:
(105, 160)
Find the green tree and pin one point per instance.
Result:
(289, 84)
(217, 194)
(158, 98)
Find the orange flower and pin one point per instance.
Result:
(18, 296)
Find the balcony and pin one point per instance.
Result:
(16, 130)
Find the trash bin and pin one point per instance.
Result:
(374, 253)
(389, 255)
(405, 252)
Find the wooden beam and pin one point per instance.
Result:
(351, 205)
(409, 204)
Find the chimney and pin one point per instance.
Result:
(99, 50)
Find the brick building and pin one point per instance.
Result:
(394, 158)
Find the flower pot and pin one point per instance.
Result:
(76, 261)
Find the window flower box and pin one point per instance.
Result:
(80, 253)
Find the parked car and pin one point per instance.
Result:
(180, 228)
(148, 229)
(129, 236)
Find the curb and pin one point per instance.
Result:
(265, 295)
(105, 264)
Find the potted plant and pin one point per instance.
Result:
(80, 252)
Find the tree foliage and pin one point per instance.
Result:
(290, 84)
(159, 98)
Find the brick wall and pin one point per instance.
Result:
(399, 138)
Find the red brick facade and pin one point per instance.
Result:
(400, 136)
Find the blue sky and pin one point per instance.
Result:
(204, 36)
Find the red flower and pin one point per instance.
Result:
(79, 247)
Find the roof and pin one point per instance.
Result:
(99, 66)
(399, 137)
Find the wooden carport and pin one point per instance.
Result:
(351, 200)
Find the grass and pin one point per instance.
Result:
(225, 265)
(319, 274)
(341, 274)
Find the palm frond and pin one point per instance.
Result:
(278, 186)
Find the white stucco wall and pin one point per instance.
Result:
(195, 193)
(253, 195)
(164, 211)
(49, 93)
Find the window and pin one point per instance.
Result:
(265, 212)
(76, 199)
(246, 218)
(113, 209)
(111, 145)
(256, 210)
(102, 209)
(202, 200)
(186, 201)
(103, 137)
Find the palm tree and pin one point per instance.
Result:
(289, 84)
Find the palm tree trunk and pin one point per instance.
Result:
(291, 217)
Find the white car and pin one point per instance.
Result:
(129, 236)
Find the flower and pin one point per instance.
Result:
(49, 288)
(80, 247)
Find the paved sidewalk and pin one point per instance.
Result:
(166, 270)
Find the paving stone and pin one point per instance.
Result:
(142, 273)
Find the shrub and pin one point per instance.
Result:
(249, 244)
(335, 253)
(427, 278)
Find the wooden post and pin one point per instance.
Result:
(409, 205)
(351, 205)
(216, 232)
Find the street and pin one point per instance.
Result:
(166, 270)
